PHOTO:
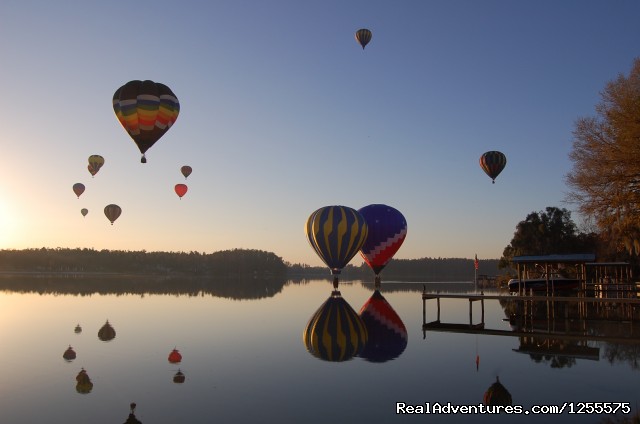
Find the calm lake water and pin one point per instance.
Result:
(244, 359)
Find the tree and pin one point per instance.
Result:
(547, 232)
(605, 178)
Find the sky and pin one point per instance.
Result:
(282, 112)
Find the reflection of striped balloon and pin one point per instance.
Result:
(145, 109)
(387, 230)
(335, 332)
(336, 233)
(492, 163)
(387, 335)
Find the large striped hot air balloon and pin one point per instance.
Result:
(492, 163)
(387, 335)
(336, 233)
(363, 36)
(387, 230)
(146, 110)
(335, 332)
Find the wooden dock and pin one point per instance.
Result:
(627, 307)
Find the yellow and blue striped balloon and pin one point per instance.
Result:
(336, 233)
(335, 332)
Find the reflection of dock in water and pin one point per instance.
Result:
(570, 318)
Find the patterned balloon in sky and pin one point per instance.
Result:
(186, 171)
(492, 163)
(335, 332)
(95, 163)
(112, 212)
(78, 189)
(387, 231)
(336, 233)
(363, 36)
(146, 110)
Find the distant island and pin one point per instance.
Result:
(235, 263)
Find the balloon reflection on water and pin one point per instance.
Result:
(387, 334)
(83, 382)
(106, 332)
(69, 354)
(335, 332)
(497, 395)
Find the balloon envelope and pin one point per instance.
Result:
(492, 163)
(336, 233)
(106, 332)
(78, 189)
(335, 332)
(112, 212)
(186, 170)
(84, 211)
(387, 335)
(146, 110)
(363, 36)
(95, 163)
(387, 230)
(181, 190)
(497, 394)
(175, 356)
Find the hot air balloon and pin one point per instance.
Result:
(186, 171)
(336, 233)
(78, 189)
(179, 377)
(69, 354)
(112, 212)
(106, 332)
(146, 110)
(95, 163)
(492, 163)
(387, 230)
(175, 357)
(497, 394)
(387, 335)
(181, 190)
(363, 36)
(84, 211)
(78, 329)
(335, 332)
(84, 384)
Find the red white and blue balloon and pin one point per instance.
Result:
(387, 231)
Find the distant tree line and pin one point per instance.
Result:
(228, 263)
(424, 269)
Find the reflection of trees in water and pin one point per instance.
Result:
(572, 318)
(250, 288)
(618, 352)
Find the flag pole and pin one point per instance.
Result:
(475, 273)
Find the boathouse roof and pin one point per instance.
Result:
(569, 258)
